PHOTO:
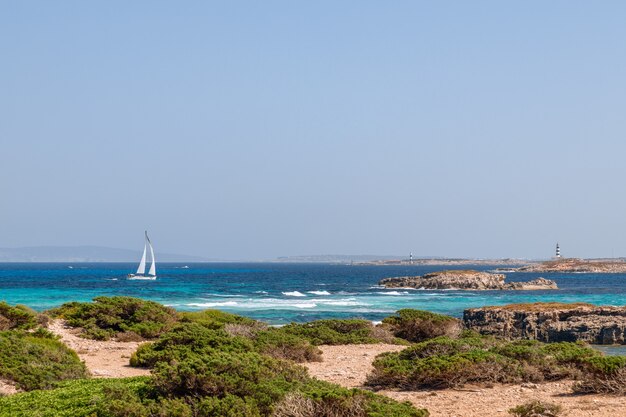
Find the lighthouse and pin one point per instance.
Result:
(558, 251)
(411, 258)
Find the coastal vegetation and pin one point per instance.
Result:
(444, 362)
(340, 332)
(418, 325)
(37, 360)
(212, 363)
(125, 317)
(204, 364)
(16, 317)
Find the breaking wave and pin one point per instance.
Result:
(293, 294)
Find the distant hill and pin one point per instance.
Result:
(85, 254)
(338, 258)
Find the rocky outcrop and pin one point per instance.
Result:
(465, 280)
(573, 265)
(551, 322)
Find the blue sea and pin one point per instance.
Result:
(282, 293)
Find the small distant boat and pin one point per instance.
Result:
(141, 271)
(185, 267)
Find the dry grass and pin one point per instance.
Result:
(5, 324)
(129, 336)
(614, 383)
(536, 409)
(297, 405)
(245, 330)
(383, 334)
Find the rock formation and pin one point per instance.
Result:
(551, 322)
(465, 280)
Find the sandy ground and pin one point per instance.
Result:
(7, 388)
(348, 366)
(104, 359)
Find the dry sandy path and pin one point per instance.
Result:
(348, 365)
(104, 359)
(7, 387)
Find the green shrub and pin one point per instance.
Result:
(246, 374)
(284, 345)
(338, 332)
(213, 384)
(214, 319)
(418, 325)
(536, 409)
(16, 317)
(79, 398)
(444, 362)
(186, 340)
(190, 338)
(605, 375)
(105, 317)
(228, 406)
(37, 360)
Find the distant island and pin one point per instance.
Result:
(466, 280)
(398, 260)
(575, 265)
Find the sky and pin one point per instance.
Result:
(251, 130)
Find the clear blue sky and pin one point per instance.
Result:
(262, 129)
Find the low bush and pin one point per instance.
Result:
(418, 325)
(16, 317)
(284, 345)
(606, 375)
(339, 332)
(325, 400)
(186, 340)
(106, 317)
(37, 360)
(536, 409)
(444, 362)
(79, 398)
(215, 319)
(250, 384)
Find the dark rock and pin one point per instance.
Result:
(551, 322)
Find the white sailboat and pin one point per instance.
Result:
(141, 271)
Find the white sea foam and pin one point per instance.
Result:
(260, 292)
(305, 305)
(345, 303)
(293, 294)
(393, 292)
(222, 295)
(319, 292)
(220, 304)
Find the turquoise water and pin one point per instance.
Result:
(281, 293)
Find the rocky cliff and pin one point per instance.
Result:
(465, 280)
(551, 322)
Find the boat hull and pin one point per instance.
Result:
(141, 277)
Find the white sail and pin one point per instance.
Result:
(153, 266)
(141, 271)
(142, 264)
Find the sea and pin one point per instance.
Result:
(280, 293)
